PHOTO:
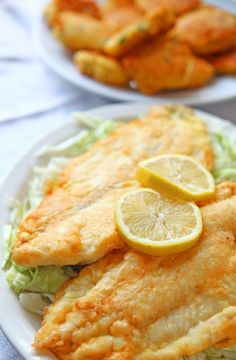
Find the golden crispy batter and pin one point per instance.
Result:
(165, 64)
(117, 17)
(153, 23)
(223, 191)
(134, 306)
(101, 68)
(75, 222)
(177, 6)
(55, 7)
(78, 31)
(87, 7)
(50, 13)
(225, 63)
(208, 30)
(117, 3)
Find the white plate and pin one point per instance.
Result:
(56, 57)
(19, 325)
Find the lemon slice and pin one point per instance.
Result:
(156, 225)
(177, 175)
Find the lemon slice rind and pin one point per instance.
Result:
(155, 181)
(158, 248)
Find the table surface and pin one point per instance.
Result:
(35, 99)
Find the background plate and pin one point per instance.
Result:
(59, 60)
(18, 324)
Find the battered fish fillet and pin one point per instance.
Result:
(119, 2)
(208, 30)
(116, 16)
(165, 64)
(79, 31)
(225, 63)
(132, 306)
(224, 190)
(177, 6)
(74, 223)
(55, 7)
(155, 22)
(50, 13)
(88, 7)
(100, 68)
(84, 29)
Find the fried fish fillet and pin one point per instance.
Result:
(208, 30)
(118, 16)
(165, 64)
(225, 63)
(100, 68)
(152, 23)
(118, 3)
(177, 6)
(50, 13)
(88, 7)
(75, 222)
(79, 31)
(224, 190)
(137, 307)
(55, 7)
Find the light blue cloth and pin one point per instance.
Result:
(7, 352)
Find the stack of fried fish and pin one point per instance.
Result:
(149, 45)
(127, 305)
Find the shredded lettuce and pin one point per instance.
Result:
(36, 286)
(46, 279)
(41, 175)
(94, 129)
(38, 280)
(35, 303)
(225, 163)
(9, 234)
(214, 354)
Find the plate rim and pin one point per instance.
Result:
(133, 110)
(110, 92)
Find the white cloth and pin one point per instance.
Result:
(33, 99)
(30, 93)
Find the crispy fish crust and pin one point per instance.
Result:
(154, 22)
(75, 222)
(79, 31)
(223, 191)
(50, 13)
(166, 64)
(88, 7)
(55, 7)
(225, 63)
(119, 3)
(101, 68)
(177, 6)
(117, 17)
(207, 31)
(138, 307)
